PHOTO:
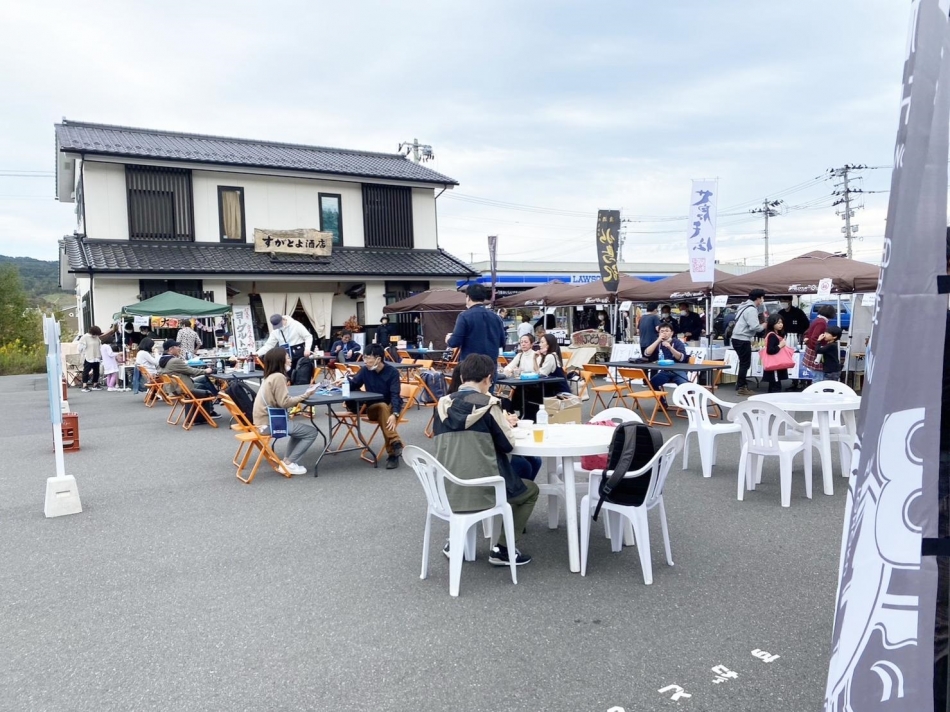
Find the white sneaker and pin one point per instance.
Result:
(294, 469)
(112, 390)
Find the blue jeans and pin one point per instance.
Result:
(663, 377)
(136, 380)
(526, 467)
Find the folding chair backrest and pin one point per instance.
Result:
(236, 413)
(717, 374)
(761, 424)
(424, 362)
(596, 369)
(636, 374)
(409, 393)
(408, 360)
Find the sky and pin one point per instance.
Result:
(543, 111)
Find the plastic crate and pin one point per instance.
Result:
(70, 432)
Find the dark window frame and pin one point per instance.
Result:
(221, 235)
(339, 199)
(387, 216)
(143, 183)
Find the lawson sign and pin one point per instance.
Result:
(584, 278)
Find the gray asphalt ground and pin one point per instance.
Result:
(179, 588)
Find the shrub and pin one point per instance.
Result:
(18, 357)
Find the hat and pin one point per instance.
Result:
(169, 343)
(276, 319)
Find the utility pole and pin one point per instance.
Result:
(421, 152)
(845, 198)
(768, 209)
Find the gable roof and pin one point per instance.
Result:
(128, 142)
(136, 257)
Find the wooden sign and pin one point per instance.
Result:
(304, 241)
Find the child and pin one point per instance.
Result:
(110, 367)
(827, 347)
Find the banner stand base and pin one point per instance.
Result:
(62, 496)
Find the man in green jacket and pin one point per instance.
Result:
(473, 438)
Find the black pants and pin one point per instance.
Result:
(90, 373)
(743, 350)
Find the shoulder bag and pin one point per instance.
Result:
(783, 360)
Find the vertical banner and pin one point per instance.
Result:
(493, 261)
(243, 331)
(883, 643)
(608, 238)
(701, 243)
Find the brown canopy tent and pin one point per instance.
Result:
(593, 293)
(801, 276)
(438, 309)
(536, 296)
(679, 286)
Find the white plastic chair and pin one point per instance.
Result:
(763, 426)
(432, 476)
(842, 429)
(659, 468)
(695, 400)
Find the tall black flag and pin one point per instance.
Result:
(883, 644)
(608, 239)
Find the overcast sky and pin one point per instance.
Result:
(555, 109)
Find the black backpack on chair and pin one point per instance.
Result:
(633, 446)
(243, 397)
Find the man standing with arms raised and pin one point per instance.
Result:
(478, 330)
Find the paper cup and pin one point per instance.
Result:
(539, 435)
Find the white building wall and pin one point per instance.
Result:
(107, 211)
(374, 301)
(109, 296)
(275, 203)
(425, 235)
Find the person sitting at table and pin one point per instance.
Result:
(775, 342)
(667, 348)
(273, 393)
(552, 365)
(473, 439)
(195, 378)
(828, 348)
(144, 359)
(379, 377)
(344, 349)
(690, 323)
(526, 360)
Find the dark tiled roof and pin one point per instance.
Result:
(124, 141)
(120, 257)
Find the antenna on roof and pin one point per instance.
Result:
(420, 152)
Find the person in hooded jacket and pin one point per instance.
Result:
(474, 438)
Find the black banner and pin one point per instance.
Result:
(608, 243)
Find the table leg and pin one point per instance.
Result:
(824, 432)
(326, 442)
(570, 504)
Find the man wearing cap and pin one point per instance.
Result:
(746, 329)
(195, 378)
(290, 334)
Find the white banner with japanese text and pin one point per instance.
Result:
(701, 243)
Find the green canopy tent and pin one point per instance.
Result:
(173, 304)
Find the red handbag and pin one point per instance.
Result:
(783, 360)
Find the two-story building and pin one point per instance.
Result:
(158, 210)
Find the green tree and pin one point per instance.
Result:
(16, 322)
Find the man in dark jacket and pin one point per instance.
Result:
(690, 323)
(649, 323)
(478, 330)
(195, 378)
(379, 377)
(473, 439)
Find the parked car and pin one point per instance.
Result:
(844, 313)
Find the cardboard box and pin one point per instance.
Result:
(571, 414)
(554, 405)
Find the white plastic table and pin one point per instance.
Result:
(567, 442)
(822, 404)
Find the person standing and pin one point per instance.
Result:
(829, 349)
(796, 324)
(690, 323)
(478, 330)
(379, 377)
(746, 328)
(525, 328)
(775, 342)
(91, 349)
(813, 337)
(383, 332)
(189, 340)
(291, 334)
(649, 325)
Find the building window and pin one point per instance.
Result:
(331, 216)
(160, 203)
(231, 214)
(387, 216)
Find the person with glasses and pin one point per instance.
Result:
(379, 377)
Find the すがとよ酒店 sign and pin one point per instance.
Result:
(312, 243)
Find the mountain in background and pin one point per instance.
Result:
(40, 280)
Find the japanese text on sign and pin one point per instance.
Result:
(608, 235)
(296, 242)
(243, 331)
(701, 240)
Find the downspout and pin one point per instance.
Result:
(82, 243)
(444, 188)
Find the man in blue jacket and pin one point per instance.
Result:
(478, 330)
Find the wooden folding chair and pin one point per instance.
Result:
(409, 393)
(250, 437)
(403, 355)
(187, 398)
(154, 391)
(173, 399)
(616, 389)
(649, 393)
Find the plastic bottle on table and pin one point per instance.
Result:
(542, 417)
(345, 387)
